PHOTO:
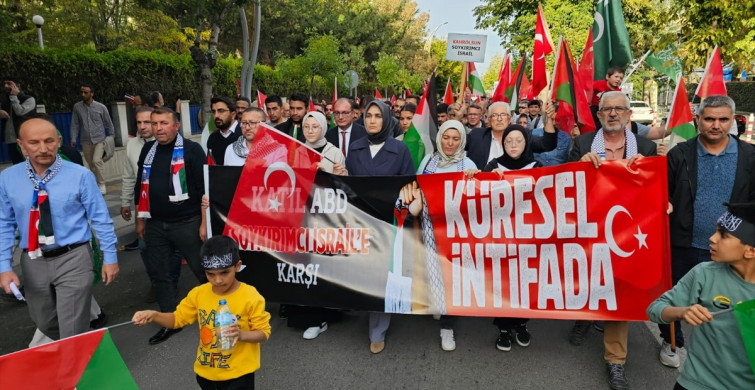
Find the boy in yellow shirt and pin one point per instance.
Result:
(216, 369)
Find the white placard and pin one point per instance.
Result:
(466, 47)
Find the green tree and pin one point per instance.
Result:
(491, 75)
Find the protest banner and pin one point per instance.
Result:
(466, 47)
(565, 242)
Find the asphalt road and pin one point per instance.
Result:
(340, 357)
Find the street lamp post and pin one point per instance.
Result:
(38, 20)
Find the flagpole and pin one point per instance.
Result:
(634, 68)
(555, 66)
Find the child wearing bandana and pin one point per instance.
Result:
(216, 369)
(704, 298)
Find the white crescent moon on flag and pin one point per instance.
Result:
(280, 166)
(609, 231)
(539, 37)
(601, 26)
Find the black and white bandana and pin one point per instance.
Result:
(217, 262)
(737, 227)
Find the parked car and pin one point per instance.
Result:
(641, 112)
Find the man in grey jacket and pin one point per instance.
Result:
(92, 121)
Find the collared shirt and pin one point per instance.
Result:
(75, 199)
(496, 148)
(341, 140)
(715, 180)
(92, 121)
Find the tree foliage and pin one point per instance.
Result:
(693, 26)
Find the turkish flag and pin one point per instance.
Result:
(560, 240)
(275, 182)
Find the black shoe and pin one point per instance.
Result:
(132, 246)
(578, 332)
(616, 378)
(100, 321)
(162, 335)
(522, 335)
(504, 341)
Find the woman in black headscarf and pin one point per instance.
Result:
(379, 154)
(515, 139)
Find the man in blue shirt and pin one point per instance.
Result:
(61, 198)
(703, 173)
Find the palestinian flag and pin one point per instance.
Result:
(475, 82)
(745, 314)
(504, 79)
(517, 89)
(418, 137)
(573, 106)
(209, 128)
(86, 361)
(680, 117)
(712, 82)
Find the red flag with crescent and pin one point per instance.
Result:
(275, 182)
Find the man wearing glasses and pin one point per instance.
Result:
(236, 153)
(346, 130)
(474, 116)
(485, 144)
(224, 112)
(613, 142)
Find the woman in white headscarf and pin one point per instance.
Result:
(314, 126)
(450, 157)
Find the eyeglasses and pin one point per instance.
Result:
(499, 116)
(249, 124)
(510, 142)
(341, 113)
(618, 109)
(220, 111)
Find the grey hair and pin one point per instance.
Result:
(498, 104)
(717, 101)
(611, 94)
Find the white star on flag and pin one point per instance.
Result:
(274, 204)
(641, 239)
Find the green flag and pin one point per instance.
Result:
(665, 62)
(745, 314)
(611, 41)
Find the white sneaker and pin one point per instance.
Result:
(447, 341)
(103, 189)
(668, 357)
(313, 332)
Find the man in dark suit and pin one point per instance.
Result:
(298, 104)
(346, 130)
(613, 142)
(481, 147)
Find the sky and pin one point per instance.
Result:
(460, 19)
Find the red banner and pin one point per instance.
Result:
(565, 242)
(561, 242)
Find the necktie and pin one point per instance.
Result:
(343, 142)
(296, 131)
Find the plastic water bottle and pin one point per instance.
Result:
(223, 319)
